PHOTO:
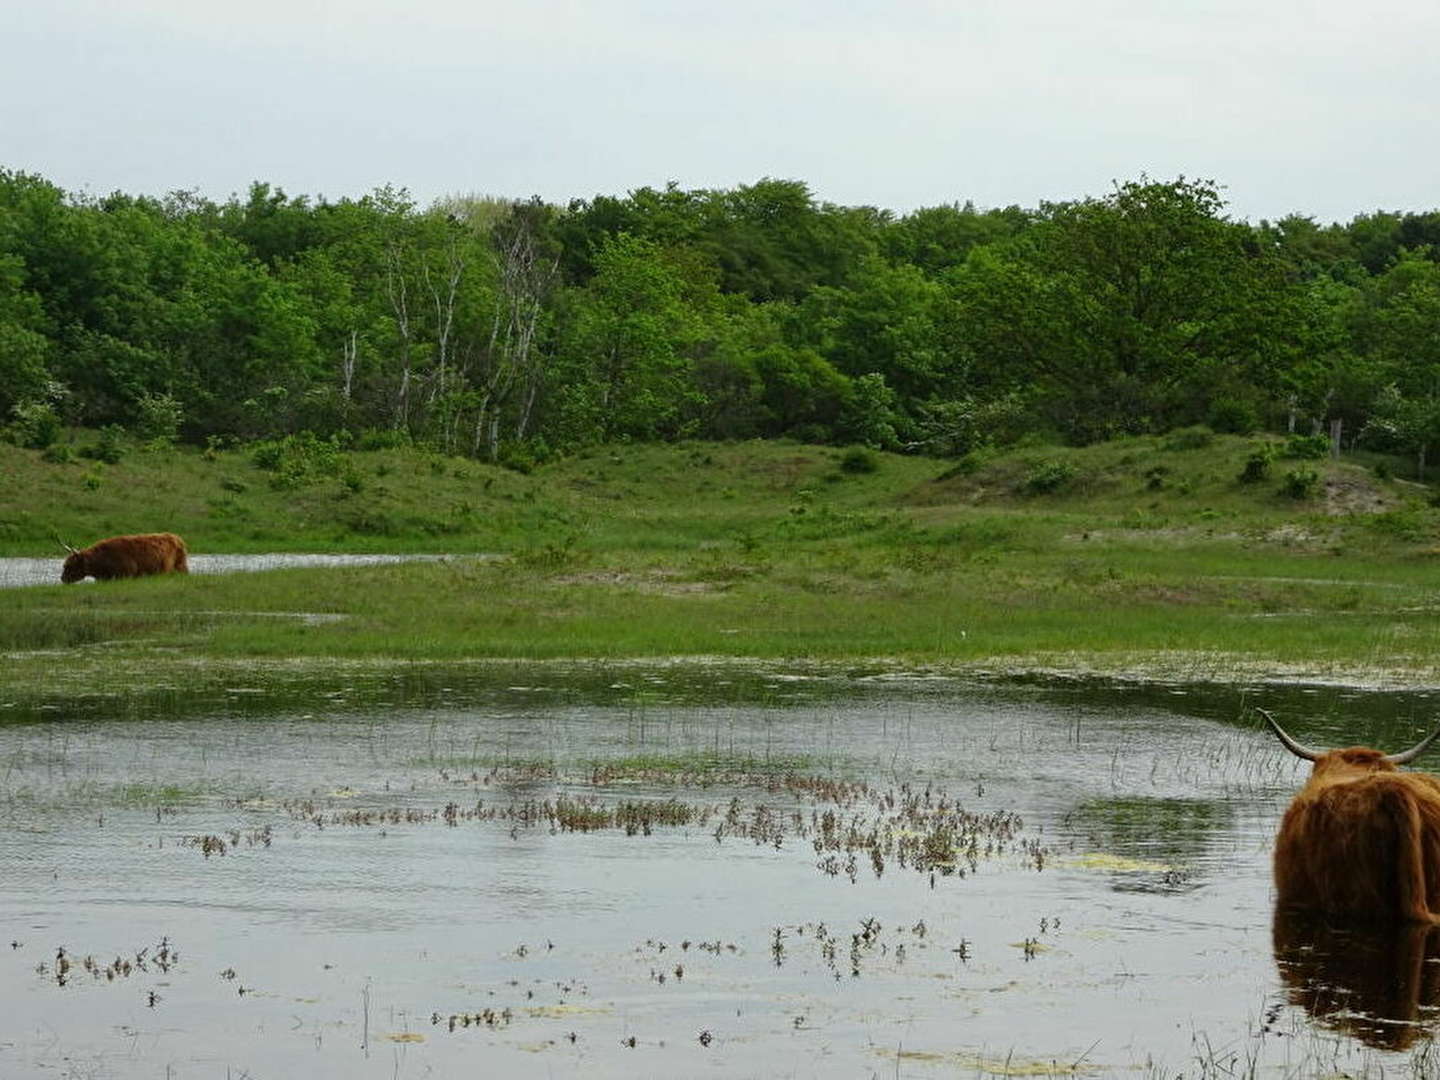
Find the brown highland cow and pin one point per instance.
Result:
(1362, 839)
(126, 557)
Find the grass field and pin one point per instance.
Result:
(1146, 556)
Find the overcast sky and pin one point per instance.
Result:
(1320, 107)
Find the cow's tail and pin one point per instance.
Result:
(1413, 893)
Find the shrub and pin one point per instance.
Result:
(1233, 416)
(36, 425)
(1257, 466)
(859, 460)
(517, 457)
(159, 419)
(213, 445)
(297, 459)
(1308, 447)
(111, 447)
(1045, 477)
(57, 454)
(383, 439)
(1155, 477)
(1301, 483)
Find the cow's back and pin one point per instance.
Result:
(1366, 848)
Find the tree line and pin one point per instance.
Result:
(512, 331)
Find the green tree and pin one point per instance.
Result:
(626, 348)
(1133, 312)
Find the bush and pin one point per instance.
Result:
(1257, 466)
(859, 460)
(517, 457)
(1308, 447)
(57, 454)
(1046, 477)
(111, 447)
(36, 425)
(297, 459)
(159, 420)
(1233, 416)
(383, 439)
(1301, 483)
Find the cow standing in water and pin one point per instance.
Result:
(1362, 839)
(126, 557)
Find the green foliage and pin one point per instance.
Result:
(297, 460)
(858, 459)
(1412, 523)
(1257, 465)
(109, 447)
(35, 425)
(1047, 477)
(159, 418)
(1302, 484)
(1307, 447)
(1233, 416)
(754, 311)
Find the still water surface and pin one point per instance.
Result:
(27, 571)
(347, 878)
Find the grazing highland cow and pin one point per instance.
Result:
(125, 557)
(1361, 840)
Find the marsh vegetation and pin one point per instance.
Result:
(679, 869)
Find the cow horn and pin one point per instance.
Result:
(1298, 749)
(1407, 756)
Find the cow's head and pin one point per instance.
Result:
(74, 568)
(1351, 759)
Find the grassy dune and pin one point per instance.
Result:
(1145, 556)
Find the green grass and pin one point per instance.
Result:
(752, 550)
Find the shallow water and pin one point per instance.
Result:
(352, 925)
(23, 571)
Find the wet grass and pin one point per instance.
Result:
(754, 551)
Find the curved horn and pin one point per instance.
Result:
(1299, 749)
(1407, 756)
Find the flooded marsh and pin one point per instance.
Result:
(591, 871)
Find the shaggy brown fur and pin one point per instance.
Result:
(1362, 840)
(127, 556)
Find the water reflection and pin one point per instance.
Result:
(408, 867)
(1155, 844)
(1380, 985)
